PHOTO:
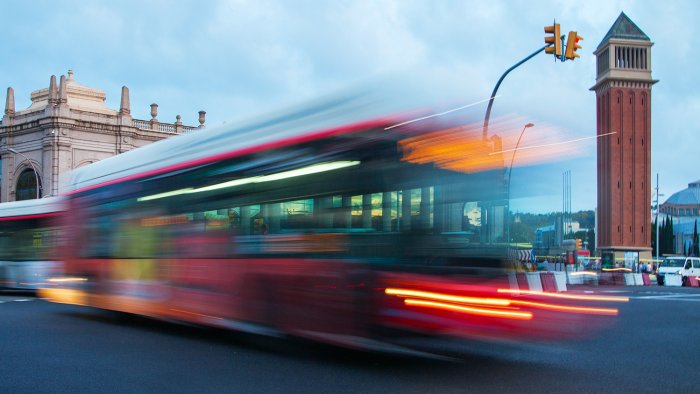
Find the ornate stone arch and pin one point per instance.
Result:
(23, 173)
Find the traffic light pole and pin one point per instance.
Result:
(498, 84)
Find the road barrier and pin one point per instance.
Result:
(545, 281)
(548, 281)
(634, 279)
(521, 281)
(533, 281)
(612, 278)
(673, 280)
(692, 281)
(560, 280)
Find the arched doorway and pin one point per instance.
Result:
(26, 185)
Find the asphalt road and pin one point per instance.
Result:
(48, 347)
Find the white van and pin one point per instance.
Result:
(684, 266)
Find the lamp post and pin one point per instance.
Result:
(656, 204)
(510, 172)
(36, 173)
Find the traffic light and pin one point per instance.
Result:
(572, 45)
(553, 39)
(579, 244)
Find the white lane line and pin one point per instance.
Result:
(23, 300)
(671, 297)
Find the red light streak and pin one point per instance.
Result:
(566, 296)
(470, 310)
(569, 309)
(447, 297)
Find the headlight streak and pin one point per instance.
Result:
(441, 113)
(68, 279)
(617, 270)
(566, 296)
(552, 144)
(584, 273)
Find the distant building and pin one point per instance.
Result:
(683, 208)
(68, 126)
(552, 236)
(683, 203)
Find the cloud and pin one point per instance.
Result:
(234, 58)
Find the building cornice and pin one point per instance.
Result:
(608, 83)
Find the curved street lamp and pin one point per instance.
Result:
(36, 173)
(510, 172)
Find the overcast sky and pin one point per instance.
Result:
(237, 58)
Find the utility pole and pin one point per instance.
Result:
(656, 204)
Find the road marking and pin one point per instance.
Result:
(671, 297)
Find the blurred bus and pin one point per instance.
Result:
(332, 222)
(28, 237)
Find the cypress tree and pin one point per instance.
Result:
(662, 237)
(696, 247)
(671, 244)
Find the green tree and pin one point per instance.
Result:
(669, 237)
(591, 241)
(696, 247)
(663, 237)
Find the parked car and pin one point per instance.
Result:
(684, 266)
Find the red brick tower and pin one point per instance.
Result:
(623, 105)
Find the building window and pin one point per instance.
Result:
(603, 61)
(26, 186)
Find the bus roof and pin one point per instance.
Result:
(31, 208)
(321, 118)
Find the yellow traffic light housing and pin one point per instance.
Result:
(572, 45)
(554, 39)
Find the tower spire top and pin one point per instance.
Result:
(624, 29)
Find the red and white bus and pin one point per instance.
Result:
(322, 223)
(28, 236)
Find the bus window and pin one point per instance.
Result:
(296, 215)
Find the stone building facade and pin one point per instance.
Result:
(623, 106)
(68, 126)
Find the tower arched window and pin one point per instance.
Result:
(27, 185)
